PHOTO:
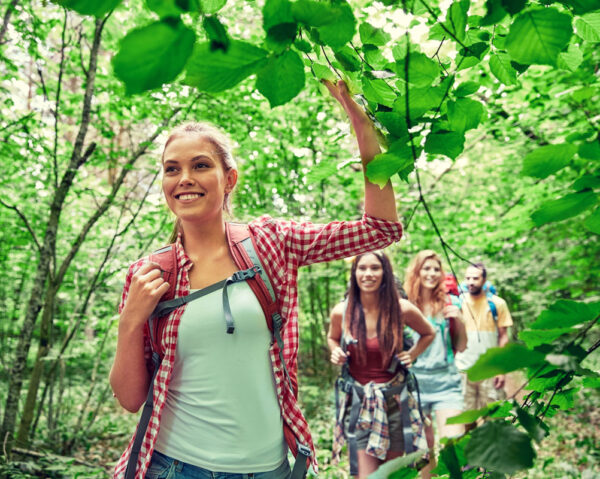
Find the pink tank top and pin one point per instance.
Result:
(372, 370)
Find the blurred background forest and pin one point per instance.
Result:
(512, 181)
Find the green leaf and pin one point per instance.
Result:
(171, 8)
(571, 59)
(498, 409)
(449, 143)
(278, 22)
(532, 425)
(378, 91)
(464, 114)
(590, 150)
(585, 182)
(565, 399)
(303, 45)
(342, 28)
(369, 35)
(592, 222)
(421, 100)
(398, 159)
(457, 20)
(502, 69)
(466, 88)
(216, 33)
(313, 13)
(547, 160)
(97, 8)
(153, 55)
(591, 382)
(564, 314)
(497, 361)
(211, 6)
(422, 71)
(584, 93)
(495, 13)
(538, 35)
(501, 447)
(536, 337)
(569, 205)
(588, 27)
(282, 78)
(323, 72)
(513, 6)
(214, 71)
(581, 6)
(389, 467)
(349, 59)
(394, 122)
(450, 459)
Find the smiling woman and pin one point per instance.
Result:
(197, 422)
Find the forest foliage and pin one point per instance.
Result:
(489, 116)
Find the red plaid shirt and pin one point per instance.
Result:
(283, 246)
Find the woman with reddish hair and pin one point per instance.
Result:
(439, 380)
(366, 331)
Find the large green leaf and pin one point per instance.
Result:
(495, 12)
(387, 469)
(464, 114)
(497, 361)
(588, 26)
(211, 6)
(563, 208)
(532, 425)
(564, 314)
(590, 150)
(378, 91)
(502, 69)
(348, 58)
(421, 100)
(313, 13)
(282, 78)
(536, 337)
(449, 143)
(216, 33)
(341, 29)
(500, 447)
(394, 122)
(570, 59)
(89, 7)
(586, 181)
(495, 409)
(215, 71)
(581, 6)
(422, 71)
(592, 222)
(153, 55)
(278, 21)
(548, 159)
(369, 35)
(398, 159)
(457, 19)
(172, 8)
(538, 35)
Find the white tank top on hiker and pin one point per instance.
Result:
(221, 411)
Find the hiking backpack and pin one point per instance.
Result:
(243, 249)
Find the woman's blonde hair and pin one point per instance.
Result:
(412, 282)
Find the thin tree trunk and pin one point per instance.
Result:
(47, 253)
(9, 10)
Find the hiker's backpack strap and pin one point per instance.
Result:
(493, 310)
(166, 258)
(244, 251)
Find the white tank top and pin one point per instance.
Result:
(221, 411)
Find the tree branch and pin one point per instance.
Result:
(9, 10)
(27, 225)
(61, 70)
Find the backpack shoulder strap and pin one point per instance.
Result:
(493, 309)
(166, 259)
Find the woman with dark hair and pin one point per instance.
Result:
(223, 400)
(439, 380)
(371, 322)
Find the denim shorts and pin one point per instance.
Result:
(165, 467)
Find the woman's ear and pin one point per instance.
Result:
(231, 180)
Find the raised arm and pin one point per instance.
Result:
(334, 336)
(379, 202)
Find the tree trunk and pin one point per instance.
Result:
(47, 253)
